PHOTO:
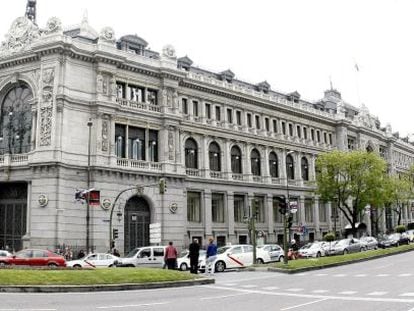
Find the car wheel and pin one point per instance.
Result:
(77, 266)
(397, 244)
(52, 265)
(259, 261)
(220, 266)
(345, 252)
(3, 264)
(318, 254)
(281, 258)
(183, 267)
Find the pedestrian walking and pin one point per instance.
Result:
(116, 253)
(81, 254)
(211, 256)
(194, 252)
(171, 256)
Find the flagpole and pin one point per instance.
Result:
(357, 82)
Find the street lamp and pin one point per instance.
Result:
(287, 214)
(88, 186)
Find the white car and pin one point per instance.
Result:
(147, 256)
(4, 253)
(95, 260)
(229, 257)
(183, 261)
(269, 253)
(315, 249)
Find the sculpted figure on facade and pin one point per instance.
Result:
(48, 76)
(53, 26)
(107, 35)
(112, 86)
(171, 143)
(175, 99)
(105, 135)
(168, 51)
(99, 83)
(45, 126)
(21, 34)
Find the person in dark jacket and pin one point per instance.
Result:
(194, 252)
(211, 256)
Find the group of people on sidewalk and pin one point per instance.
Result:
(171, 254)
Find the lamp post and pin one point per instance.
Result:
(88, 186)
(287, 214)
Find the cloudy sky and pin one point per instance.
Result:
(294, 45)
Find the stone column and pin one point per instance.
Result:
(301, 210)
(226, 167)
(204, 163)
(207, 212)
(265, 166)
(316, 219)
(230, 212)
(247, 170)
(270, 222)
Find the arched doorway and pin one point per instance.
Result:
(137, 219)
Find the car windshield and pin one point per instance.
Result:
(132, 253)
(306, 246)
(223, 249)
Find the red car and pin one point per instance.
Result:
(34, 257)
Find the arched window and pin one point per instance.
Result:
(214, 157)
(273, 165)
(191, 153)
(290, 167)
(370, 149)
(255, 162)
(305, 168)
(16, 120)
(236, 160)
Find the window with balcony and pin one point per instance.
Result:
(152, 97)
(218, 113)
(273, 165)
(217, 207)
(239, 208)
(208, 111)
(121, 90)
(305, 168)
(191, 154)
(255, 162)
(136, 143)
(214, 157)
(290, 168)
(236, 160)
(184, 105)
(193, 206)
(238, 117)
(153, 146)
(16, 120)
(136, 93)
(230, 116)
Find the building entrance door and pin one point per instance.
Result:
(136, 221)
(13, 211)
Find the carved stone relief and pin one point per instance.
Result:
(168, 97)
(53, 26)
(45, 125)
(99, 83)
(105, 135)
(21, 34)
(171, 151)
(107, 35)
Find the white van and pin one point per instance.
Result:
(146, 256)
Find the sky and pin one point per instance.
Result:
(365, 48)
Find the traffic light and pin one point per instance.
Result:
(290, 221)
(282, 205)
(163, 186)
(114, 233)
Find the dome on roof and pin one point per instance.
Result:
(134, 39)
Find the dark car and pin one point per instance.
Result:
(34, 257)
(394, 239)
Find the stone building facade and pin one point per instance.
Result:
(220, 143)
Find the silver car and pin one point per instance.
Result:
(346, 246)
(369, 242)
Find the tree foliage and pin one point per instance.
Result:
(352, 179)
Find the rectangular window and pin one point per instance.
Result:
(274, 126)
(267, 125)
(277, 216)
(290, 129)
(298, 132)
(351, 144)
(238, 208)
(312, 134)
(257, 121)
(260, 209)
(218, 114)
(305, 133)
(120, 90)
(217, 207)
(208, 111)
(318, 136)
(230, 116)
(194, 206)
(323, 211)
(184, 105)
(330, 138)
(136, 143)
(283, 128)
(195, 108)
(152, 97)
(249, 120)
(153, 146)
(325, 139)
(120, 149)
(238, 117)
(308, 211)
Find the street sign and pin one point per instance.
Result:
(155, 233)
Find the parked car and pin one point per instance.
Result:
(149, 256)
(183, 261)
(229, 257)
(95, 260)
(4, 253)
(312, 250)
(269, 253)
(346, 246)
(394, 239)
(34, 257)
(369, 242)
(410, 234)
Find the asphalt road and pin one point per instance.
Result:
(381, 284)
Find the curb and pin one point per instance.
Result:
(100, 287)
(300, 270)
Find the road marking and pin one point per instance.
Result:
(301, 274)
(28, 309)
(360, 275)
(348, 292)
(383, 274)
(321, 274)
(320, 291)
(225, 296)
(294, 289)
(139, 305)
(304, 304)
(339, 275)
(230, 284)
(377, 293)
(407, 295)
(249, 286)
(404, 274)
(271, 288)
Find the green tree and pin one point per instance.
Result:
(352, 179)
